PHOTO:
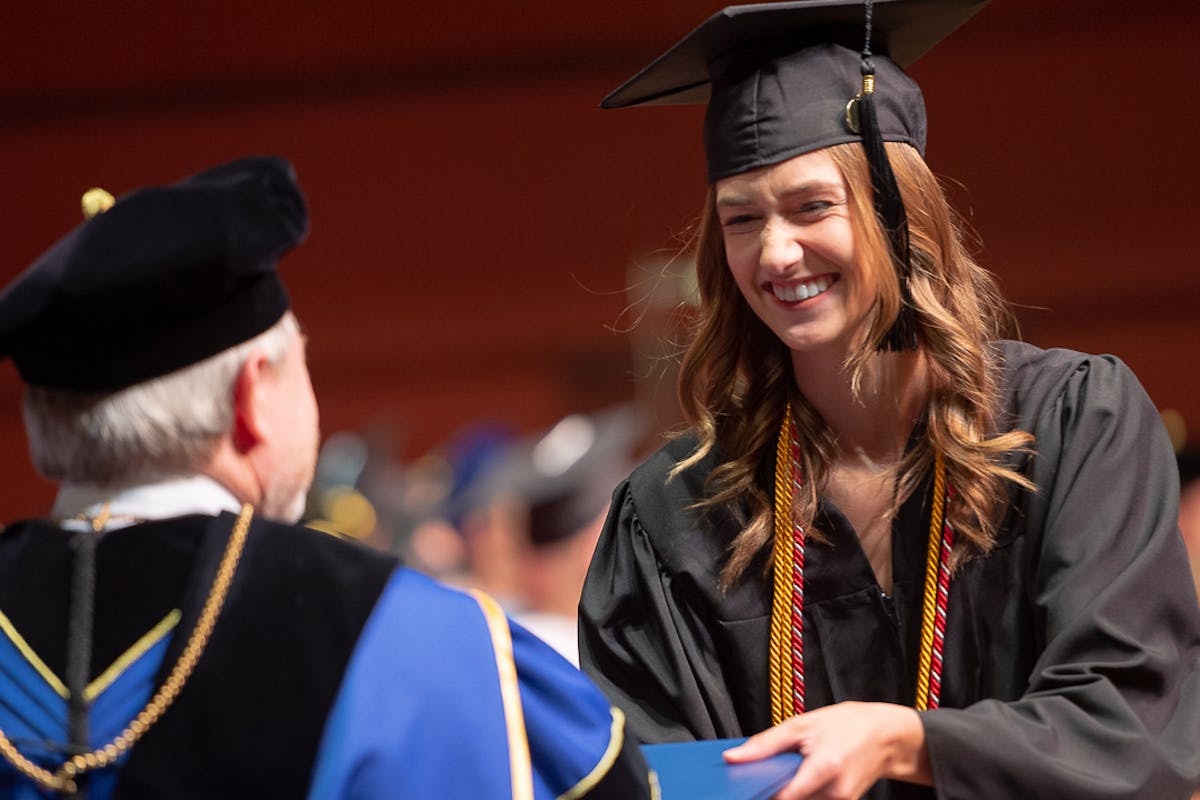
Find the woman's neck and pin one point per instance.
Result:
(873, 427)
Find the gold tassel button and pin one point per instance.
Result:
(96, 201)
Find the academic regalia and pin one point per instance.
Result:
(1072, 655)
(327, 670)
(331, 673)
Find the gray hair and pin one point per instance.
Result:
(162, 427)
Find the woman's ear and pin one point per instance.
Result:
(249, 406)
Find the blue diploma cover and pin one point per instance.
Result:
(696, 771)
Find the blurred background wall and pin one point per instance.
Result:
(483, 235)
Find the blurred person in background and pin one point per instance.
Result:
(485, 528)
(168, 630)
(546, 499)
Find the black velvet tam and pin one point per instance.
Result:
(777, 77)
(166, 277)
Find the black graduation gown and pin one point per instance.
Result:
(1072, 658)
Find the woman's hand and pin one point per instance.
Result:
(846, 747)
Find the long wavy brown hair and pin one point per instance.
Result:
(736, 375)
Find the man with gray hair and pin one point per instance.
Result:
(169, 631)
(172, 425)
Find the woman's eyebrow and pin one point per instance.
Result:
(808, 187)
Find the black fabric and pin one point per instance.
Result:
(166, 277)
(889, 208)
(80, 621)
(248, 721)
(1072, 663)
(764, 112)
(903, 29)
(140, 575)
(777, 77)
(626, 778)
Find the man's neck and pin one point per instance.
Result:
(77, 505)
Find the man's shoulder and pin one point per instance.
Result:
(303, 541)
(340, 567)
(294, 567)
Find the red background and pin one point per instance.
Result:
(475, 216)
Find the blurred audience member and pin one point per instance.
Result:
(537, 515)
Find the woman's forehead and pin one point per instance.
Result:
(802, 173)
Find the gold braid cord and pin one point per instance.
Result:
(782, 664)
(930, 596)
(781, 607)
(63, 779)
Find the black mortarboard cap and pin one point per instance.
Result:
(166, 277)
(784, 79)
(777, 76)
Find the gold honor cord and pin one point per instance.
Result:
(930, 597)
(786, 654)
(782, 699)
(63, 779)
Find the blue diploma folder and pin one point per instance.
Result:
(696, 771)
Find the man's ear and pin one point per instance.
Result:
(249, 407)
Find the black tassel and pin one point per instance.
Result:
(889, 206)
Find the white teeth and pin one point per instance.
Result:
(801, 291)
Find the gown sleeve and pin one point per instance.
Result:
(446, 697)
(644, 636)
(1112, 706)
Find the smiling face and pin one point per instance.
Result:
(790, 246)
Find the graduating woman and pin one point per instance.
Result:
(935, 562)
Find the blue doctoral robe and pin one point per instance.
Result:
(332, 673)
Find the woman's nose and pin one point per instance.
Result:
(779, 248)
